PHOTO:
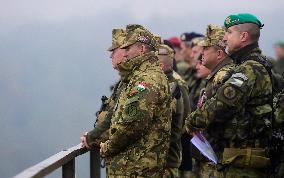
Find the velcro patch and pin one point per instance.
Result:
(236, 82)
(131, 110)
(240, 75)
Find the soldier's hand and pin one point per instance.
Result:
(84, 141)
(102, 149)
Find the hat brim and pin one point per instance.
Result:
(126, 45)
(112, 48)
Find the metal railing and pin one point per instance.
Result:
(66, 160)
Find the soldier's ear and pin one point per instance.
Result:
(244, 36)
(142, 49)
(220, 54)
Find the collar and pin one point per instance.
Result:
(241, 55)
(127, 67)
(220, 65)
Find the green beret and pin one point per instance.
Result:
(240, 19)
(280, 44)
(138, 33)
(118, 36)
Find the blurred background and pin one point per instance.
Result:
(54, 66)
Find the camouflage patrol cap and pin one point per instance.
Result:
(214, 36)
(197, 41)
(138, 33)
(166, 50)
(118, 36)
(237, 19)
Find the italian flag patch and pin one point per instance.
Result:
(141, 86)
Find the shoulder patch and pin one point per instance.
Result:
(240, 75)
(229, 92)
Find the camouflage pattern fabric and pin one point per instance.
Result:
(178, 117)
(217, 75)
(279, 121)
(118, 36)
(171, 173)
(100, 132)
(140, 127)
(214, 37)
(214, 132)
(194, 92)
(137, 33)
(242, 105)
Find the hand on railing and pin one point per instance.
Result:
(83, 139)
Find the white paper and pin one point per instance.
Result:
(200, 142)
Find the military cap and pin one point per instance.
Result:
(138, 33)
(214, 36)
(166, 50)
(118, 36)
(237, 19)
(280, 44)
(188, 37)
(197, 41)
(175, 41)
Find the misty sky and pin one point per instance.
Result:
(54, 63)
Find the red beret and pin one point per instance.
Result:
(175, 41)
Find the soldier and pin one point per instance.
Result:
(199, 83)
(214, 58)
(243, 104)
(100, 132)
(187, 70)
(278, 65)
(179, 95)
(186, 67)
(175, 41)
(140, 127)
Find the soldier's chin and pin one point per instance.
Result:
(228, 50)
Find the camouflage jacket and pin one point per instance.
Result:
(214, 132)
(216, 77)
(179, 96)
(279, 111)
(140, 127)
(242, 104)
(194, 84)
(100, 132)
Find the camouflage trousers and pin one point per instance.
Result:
(171, 173)
(234, 172)
(209, 170)
(186, 174)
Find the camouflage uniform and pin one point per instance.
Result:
(242, 105)
(100, 132)
(279, 128)
(140, 127)
(179, 106)
(215, 80)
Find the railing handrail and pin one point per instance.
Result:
(54, 162)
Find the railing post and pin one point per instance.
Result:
(95, 164)
(68, 169)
